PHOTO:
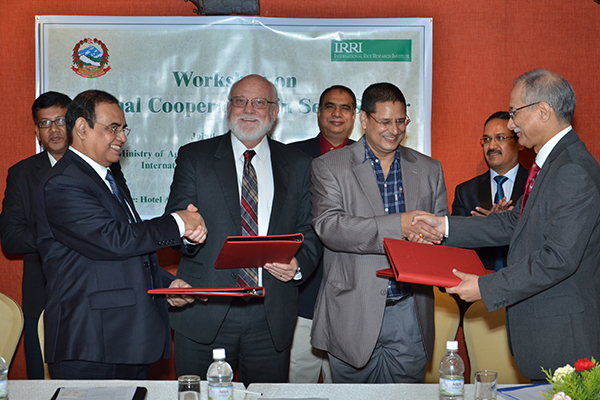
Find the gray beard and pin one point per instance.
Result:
(257, 134)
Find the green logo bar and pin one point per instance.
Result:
(371, 50)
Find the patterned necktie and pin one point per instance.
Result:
(249, 208)
(499, 189)
(118, 195)
(529, 185)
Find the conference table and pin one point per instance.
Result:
(167, 390)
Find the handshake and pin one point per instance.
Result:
(195, 227)
(423, 227)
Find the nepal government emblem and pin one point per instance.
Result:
(90, 58)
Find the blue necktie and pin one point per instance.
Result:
(499, 196)
(499, 190)
(118, 195)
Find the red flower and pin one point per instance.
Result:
(584, 364)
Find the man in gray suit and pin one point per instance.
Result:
(374, 329)
(550, 284)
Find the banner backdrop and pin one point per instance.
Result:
(172, 76)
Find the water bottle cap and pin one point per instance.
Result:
(218, 354)
(451, 345)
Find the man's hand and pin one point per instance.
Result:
(283, 272)
(499, 207)
(468, 289)
(176, 300)
(427, 226)
(195, 227)
(419, 229)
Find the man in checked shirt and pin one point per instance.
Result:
(374, 329)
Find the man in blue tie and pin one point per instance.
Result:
(99, 257)
(503, 182)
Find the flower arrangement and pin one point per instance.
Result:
(579, 383)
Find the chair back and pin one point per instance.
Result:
(487, 343)
(41, 339)
(447, 318)
(11, 327)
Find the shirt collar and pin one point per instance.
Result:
(511, 175)
(369, 155)
(546, 149)
(326, 146)
(53, 160)
(263, 152)
(100, 169)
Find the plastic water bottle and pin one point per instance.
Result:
(220, 376)
(452, 368)
(3, 379)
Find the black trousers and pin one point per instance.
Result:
(247, 341)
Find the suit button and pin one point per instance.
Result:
(383, 292)
(234, 275)
(146, 264)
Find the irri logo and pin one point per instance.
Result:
(348, 47)
(373, 50)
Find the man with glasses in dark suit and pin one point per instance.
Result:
(497, 189)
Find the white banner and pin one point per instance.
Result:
(172, 76)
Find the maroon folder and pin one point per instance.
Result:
(256, 251)
(230, 291)
(428, 264)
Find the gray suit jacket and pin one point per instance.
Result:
(550, 287)
(349, 218)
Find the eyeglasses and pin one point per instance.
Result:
(258, 103)
(497, 139)
(45, 124)
(115, 130)
(387, 123)
(512, 113)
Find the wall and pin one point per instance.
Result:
(480, 47)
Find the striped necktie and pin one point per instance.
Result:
(119, 195)
(249, 209)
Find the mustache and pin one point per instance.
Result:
(490, 152)
(247, 117)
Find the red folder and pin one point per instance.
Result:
(428, 264)
(231, 291)
(256, 251)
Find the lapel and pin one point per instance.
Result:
(42, 166)
(570, 138)
(410, 178)
(224, 169)
(363, 171)
(85, 168)
(520, 182)
(281, 178)
(484, 191)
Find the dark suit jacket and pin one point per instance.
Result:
(17, 225)
(98, 268)
(476, 192)
(206, 176)
(550, 285)
(309, 289)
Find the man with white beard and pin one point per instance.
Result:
(244, 183)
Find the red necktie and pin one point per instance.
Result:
(529, 185)
(249, 276)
